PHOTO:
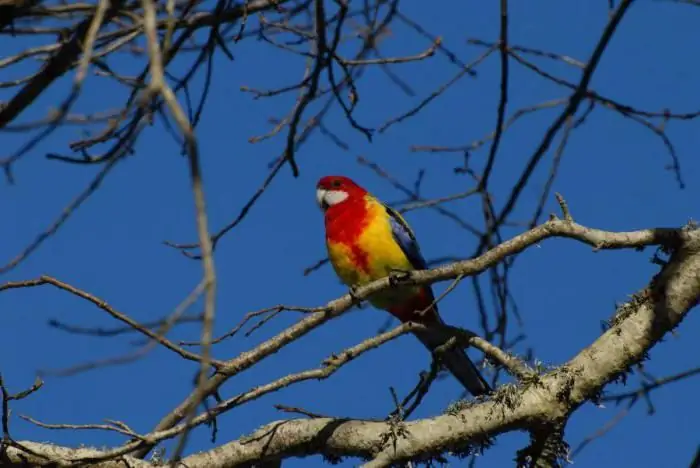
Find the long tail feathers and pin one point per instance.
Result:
(457, 361)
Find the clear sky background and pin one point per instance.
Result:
(613, 175)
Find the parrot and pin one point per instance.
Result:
(367, 240)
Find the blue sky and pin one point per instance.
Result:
(613, 175)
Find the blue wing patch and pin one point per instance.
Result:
(405, 238)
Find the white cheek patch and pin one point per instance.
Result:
(333, 197)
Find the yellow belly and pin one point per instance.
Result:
(383, 256)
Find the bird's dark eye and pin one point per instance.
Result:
(335, 184)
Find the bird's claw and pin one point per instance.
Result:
(353, 293)
(397, 276)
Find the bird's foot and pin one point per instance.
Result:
(396, 277)
(353, 293)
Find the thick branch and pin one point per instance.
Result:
(638, 326)
(552, 228)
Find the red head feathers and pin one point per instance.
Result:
(333, 190)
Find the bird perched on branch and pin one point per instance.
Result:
(368, 240)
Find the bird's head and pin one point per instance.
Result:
(334, 190)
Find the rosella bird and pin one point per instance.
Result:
(368, 240)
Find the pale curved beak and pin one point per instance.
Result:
(321, 198)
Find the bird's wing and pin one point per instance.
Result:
(403, 235)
